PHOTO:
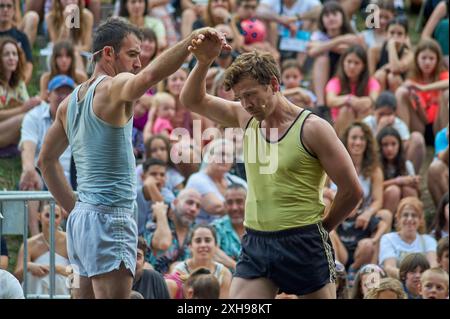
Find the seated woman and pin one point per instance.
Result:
(62, 62)
(400, 179)
(351, 93)
(203, 245)
(334, 36)
(423, 98)
(136, 11)
(38, 264)
(408, 238)
(80, 36)
(14, 99)
(213, 179)
(439, 227)
(390, 62)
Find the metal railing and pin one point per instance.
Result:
(9, 215)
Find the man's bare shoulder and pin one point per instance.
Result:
(315, 131)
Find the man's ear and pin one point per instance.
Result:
(274, 84)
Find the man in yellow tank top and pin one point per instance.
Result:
(287, 152)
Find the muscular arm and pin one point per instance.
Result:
(127, 87)
(54, 145)
(320, 138)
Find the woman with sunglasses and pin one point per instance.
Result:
(38, 264)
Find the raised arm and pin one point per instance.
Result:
(127, 87)
(194, 96)
(54, 145)
(438, 13)
(321, 139)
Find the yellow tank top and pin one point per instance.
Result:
(285, 182)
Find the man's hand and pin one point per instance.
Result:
(206, 45)
(30, 181)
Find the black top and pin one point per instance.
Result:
(152, 285)
(4, 248)
(22, 39)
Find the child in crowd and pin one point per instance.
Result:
(411, 270)
(292, 76)
(434, 284)
(389, 288)
(165, 112)
(442, 253)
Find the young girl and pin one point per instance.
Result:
(390, 62)
(203, 245)
(291, 77)
(165, 112)
(420, 100)
(434, 284)
(334, 36)
(350, 94)
(400, 179)
(376, 36)
(81, 36)
(61, 62)
(366, 278)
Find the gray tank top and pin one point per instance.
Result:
(103, 154)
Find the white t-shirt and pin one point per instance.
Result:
(10, 287)
(399, 125)
(392, 246)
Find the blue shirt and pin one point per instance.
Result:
(227, 238)
(35, 125)
(103, 154)
(162, 259)
(441, 141)
(145, 211)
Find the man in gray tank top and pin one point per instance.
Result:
(96, 121)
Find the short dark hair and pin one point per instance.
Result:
(411, 262)
(152, 162)
(111, 33)
(386, 99)
(142, 244)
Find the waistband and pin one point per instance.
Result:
(102, 208)
(284, 232)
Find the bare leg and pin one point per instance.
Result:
(391, 198)
(96, 9)
(345, 118)
(85, 290)
(409, 191)
(381, 77)
(259, 288)
(441, 120)
(35, 5)
(437, 180)
(404, 107)
(10, 130)
(415, 150)
(387, 216)
(394, 82)
(321, 70)
(30, 25)
(113, 285)
(350, 7)
(363, 253)
(326, 292)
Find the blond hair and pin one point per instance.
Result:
(387, 284)
(417, 205)
(259, 66)
(162, 97)
(437, 271)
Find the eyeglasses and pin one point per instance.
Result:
(8, 6)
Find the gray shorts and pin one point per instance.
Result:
(100, 238)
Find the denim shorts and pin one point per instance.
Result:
(100, 238)
(298, 261)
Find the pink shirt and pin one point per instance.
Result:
(160, 125)
(334, 85)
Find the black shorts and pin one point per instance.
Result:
(299, 261)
